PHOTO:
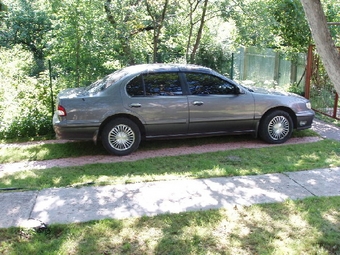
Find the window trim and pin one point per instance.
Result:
(142, 76)
(211, 75)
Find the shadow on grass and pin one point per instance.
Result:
(214, 164)
(47, 151)
(309, 226)
(50, 151)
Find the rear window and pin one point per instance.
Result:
(106, 82)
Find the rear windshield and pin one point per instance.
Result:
(106, 82)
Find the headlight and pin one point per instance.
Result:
(309, 105)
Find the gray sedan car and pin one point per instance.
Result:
(172, 100)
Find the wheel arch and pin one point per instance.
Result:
(281, 108)
(127, 116)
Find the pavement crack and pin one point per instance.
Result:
(33, 205)
(287, 175)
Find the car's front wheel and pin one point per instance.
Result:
(121, 136)
(276, 127)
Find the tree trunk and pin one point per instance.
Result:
(325, 46)
(199, 33)
(158, 21)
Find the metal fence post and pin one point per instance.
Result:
(51, 89)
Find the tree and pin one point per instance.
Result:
(124, 18)
(28, 27)
(157, 11)
(82, 41)
(200, 29)
(277, 24)
(325, 46)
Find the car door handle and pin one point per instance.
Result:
(198, 103)
(135, 105)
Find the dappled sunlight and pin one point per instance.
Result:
(103, 178)
(312, 156)
(280, 228)
(84, 180)
(26, 174)
(252, 171)
(333, 216)
(71, 243)
(291, 227)
(334, 159)
(116, 237)
(215, 171)
(40, 153)
(205, 165)
(57, 180)
(6, 181)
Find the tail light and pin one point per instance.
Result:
(61, 111)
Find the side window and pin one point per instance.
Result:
(162, 84)
(135, 87)
(206, 84)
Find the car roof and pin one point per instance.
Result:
(160, 67)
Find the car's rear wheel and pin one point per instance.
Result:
(121, 136)
(276, 127)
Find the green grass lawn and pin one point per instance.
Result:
(310, 226)
(284, 158)
(76, 149)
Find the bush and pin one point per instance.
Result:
(25, 101)
(295, 88)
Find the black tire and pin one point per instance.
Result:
(276, 127)
(121, 136)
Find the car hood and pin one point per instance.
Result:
(274, 92)
(71, 93)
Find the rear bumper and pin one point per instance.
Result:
(73, 132)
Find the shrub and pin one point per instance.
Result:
(25, 101)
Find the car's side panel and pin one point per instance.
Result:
(214, 113)
(157, 99)
(161, 115)
(218, 105)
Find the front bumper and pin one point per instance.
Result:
(304, 120)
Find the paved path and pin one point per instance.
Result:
(326, 130)
(65, 205)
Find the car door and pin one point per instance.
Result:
(157, 99)
(216, 105)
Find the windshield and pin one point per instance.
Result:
(106, 82)
(247, 88)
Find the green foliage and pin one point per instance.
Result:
(28, 27)
(279, 24)
(85, 40)
(297, 89)
(290, 25)
(332, 12)
(25, 103)
(215, 56)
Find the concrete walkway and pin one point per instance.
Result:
(326, 130)
(66, 205)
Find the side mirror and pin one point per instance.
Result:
(239, 90)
